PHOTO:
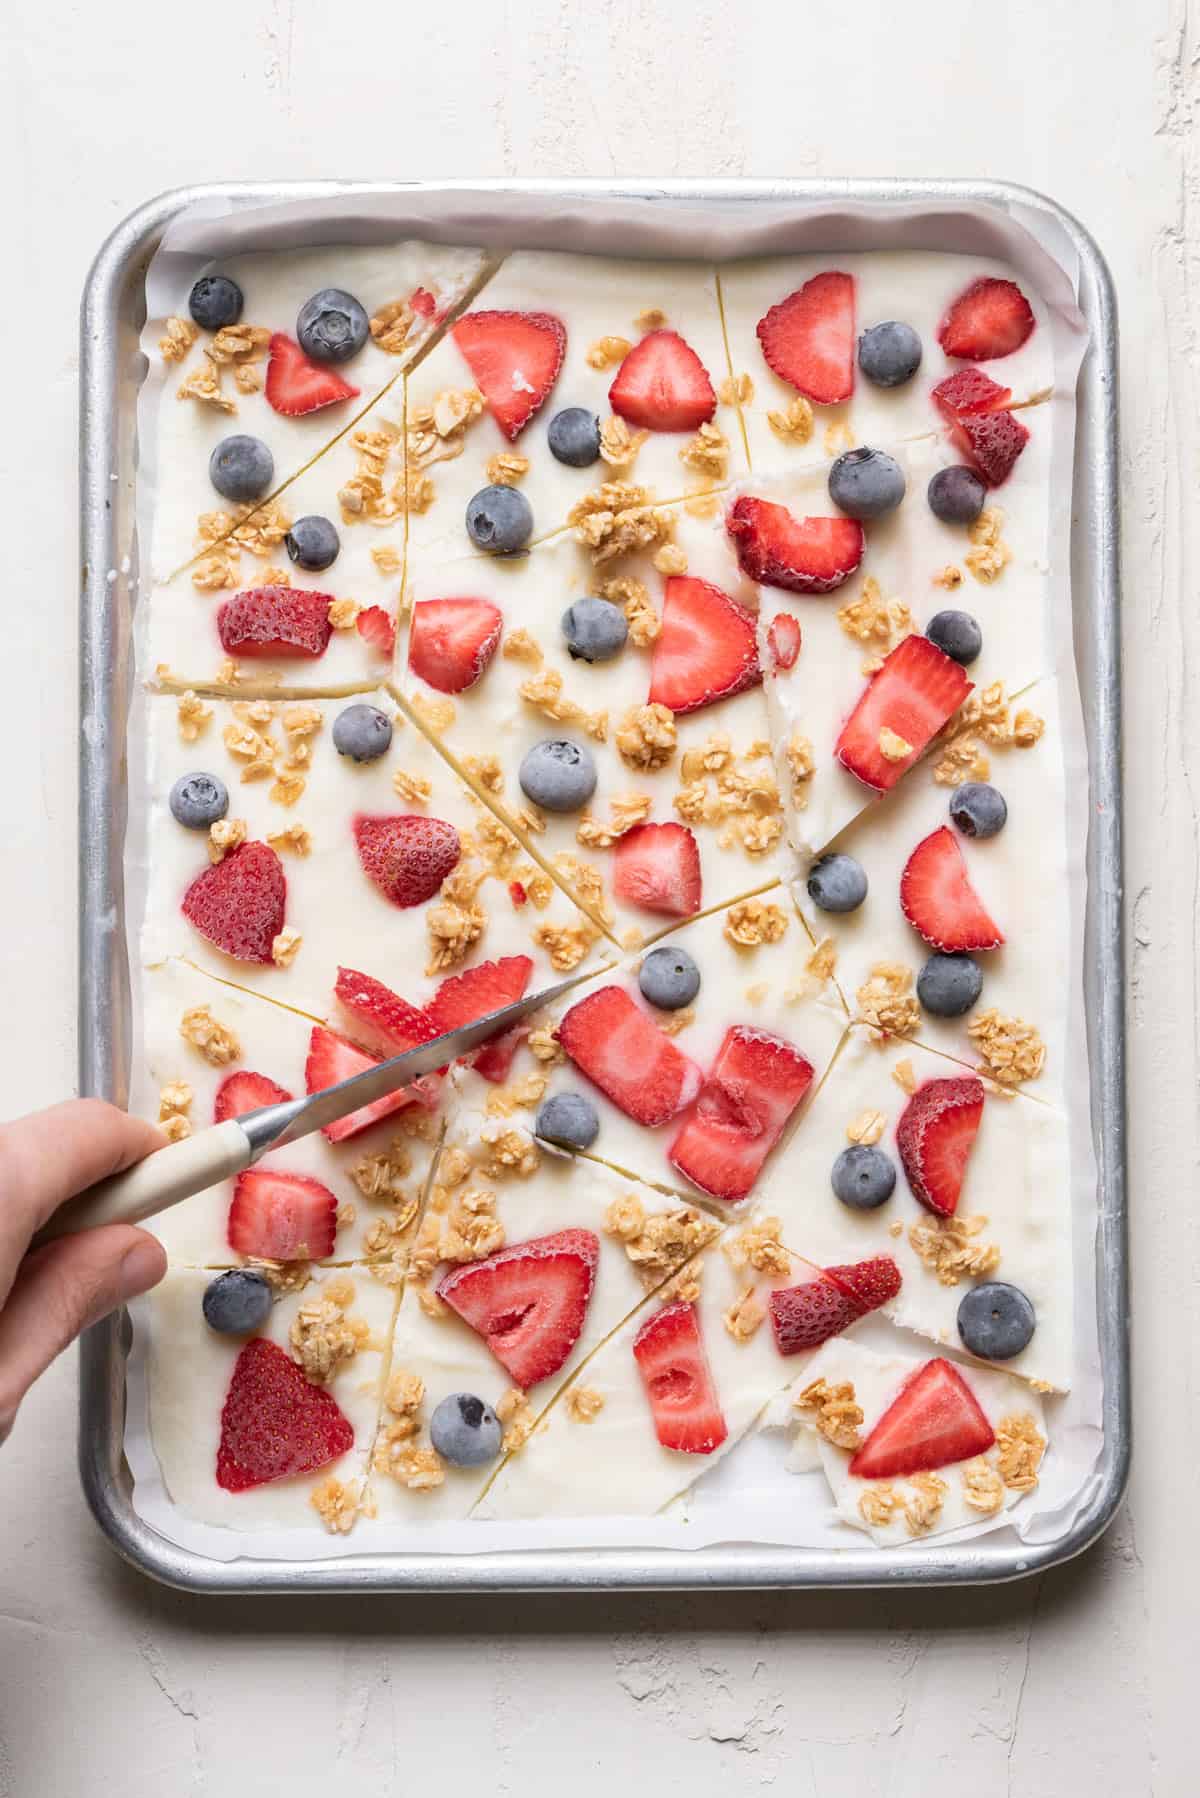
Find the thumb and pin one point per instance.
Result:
(61, 1289)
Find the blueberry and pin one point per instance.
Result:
(948, 985)
(837, 883)
(568, 1119)
(558, 775)
(465, 1431)
(669, 978)
(241, 467)
(574, 437)
(499, 519)
(237, 1303)
(313, 543)
(362, 732)
(996, 1320)
(215, 301)
(956, 495)
(198, 800)
(863, 1177)
(595, 630)
(956, 634)
(332, 326)
(865, 483)
(889, 354)
(978, 810)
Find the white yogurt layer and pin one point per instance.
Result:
(903, 1510)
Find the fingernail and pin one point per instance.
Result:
(141, 1268)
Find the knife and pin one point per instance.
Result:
(195, 1163)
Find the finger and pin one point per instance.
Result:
(50, 1155)
(59, 1291)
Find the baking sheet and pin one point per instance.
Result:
(748, 1497)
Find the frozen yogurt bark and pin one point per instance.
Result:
(977, 1435)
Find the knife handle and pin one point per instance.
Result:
(162, 1179)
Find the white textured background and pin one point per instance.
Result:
(1080, 1681)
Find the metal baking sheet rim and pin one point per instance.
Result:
(109, 365)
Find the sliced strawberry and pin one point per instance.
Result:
(407, 856)
(669, 1351)
(934, 1420)
(706, 649)
(281, 1216)
(969, 390)
(748, 1095)
(295, 385)
(515, 358)
(239, 903)
(380, 1019)
(935, 1136)
(801, 555)
(989, 318)
(377, 630)
(422, 302)
(451, 641)
(991, 443)
(783, 642)
(805, 1316)
(657, 866)
(285, 622)
(518, 894)
(331, 1059)
(867, 1284)
(915, 692)
(461, 998)
(939, 901)
(808, 339)
(528, 1301)
(621, 1049)
(662, 385)
(244, 1091)
(274, 1423)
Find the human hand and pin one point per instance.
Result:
(49, 1296)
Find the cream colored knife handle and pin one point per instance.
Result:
(162, 1179)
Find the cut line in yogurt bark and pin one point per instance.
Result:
(1010, 1221)
(980, 1434)
(225, 1401)
(208, 1051)
(554, 332)
(817, 338)
(390, 866)
(206, 385)
(495, 1190)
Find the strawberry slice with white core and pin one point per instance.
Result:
(935, 1136)
(966, 391)
(937, 898)
(238, 904)
(245, 1091)
(452, 641)
(657, 866)
(901, 711)
(662, 385)
(295, 385)
(808, 339)
(285, 623)
(799, 555)
(528, 1301)
(783, 642)
(867, 1284)
(622, 1051)
(377, 631)
(280, 1216)
(274, 1422)
(808, 1314)
(990, 318)
(515, 358)
(748, 1095)
(330, 1059)
(669, 1351)
(934, 1421)
(991, 442)
(461, 998)
(706, 649)
(407, 856)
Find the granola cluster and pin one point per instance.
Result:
(323, 1337)
(758, 1245)
(619, 445)
(397, 1452)
(544, 692)
(985, 719)
(707, 453)
(174, 1103)
(837, 1415)
(626, 812)
(795, 424)
(645, 737)
(661, 1244)
(617, 518)
(340, 1504)
(633, 597)
(1012, 1050)
(990, 555)
(876, 622)
(887, 1001)
(738, 795)
(1020, 1447)
(949, 1249)
(215, 1041)
(755, 921)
